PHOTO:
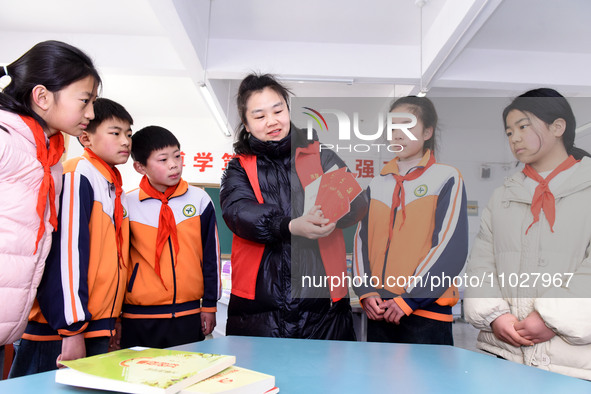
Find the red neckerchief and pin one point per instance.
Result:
(166, 221)
(118, 213)
(543, 197)
(47, 158)
(398, 195)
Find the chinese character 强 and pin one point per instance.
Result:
(364, 168)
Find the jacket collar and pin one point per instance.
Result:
(14, 123)
(392, 166)
(99, 166)
(181, 189)
(580, 179)
(271, 149)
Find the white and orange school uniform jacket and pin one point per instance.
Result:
(188, 284)
(431, 242)
(83, 285)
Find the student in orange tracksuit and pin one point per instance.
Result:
(415, 233)
(81, 292)
(174, 272)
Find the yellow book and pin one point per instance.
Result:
(149, 371)
(235, 380)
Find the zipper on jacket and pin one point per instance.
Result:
(173, 276)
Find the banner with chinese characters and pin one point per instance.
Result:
(204, 166)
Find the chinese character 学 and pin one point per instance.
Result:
(203, 160)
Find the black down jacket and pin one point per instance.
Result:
(276, 311)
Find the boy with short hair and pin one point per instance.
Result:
(174, 281)
(82, 289)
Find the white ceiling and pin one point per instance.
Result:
(153, 54)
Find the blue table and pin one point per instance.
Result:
(312, 366)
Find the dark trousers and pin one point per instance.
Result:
(412, 329)
(40, 356)
(161, 333)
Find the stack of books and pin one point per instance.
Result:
(162, 371)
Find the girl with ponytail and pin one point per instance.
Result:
(50, 90)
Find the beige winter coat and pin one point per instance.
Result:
(503, 252)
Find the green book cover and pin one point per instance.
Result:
(143, 371)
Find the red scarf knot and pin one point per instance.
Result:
(166, 222)
(543, 198)
(48, 157)
(398, 195)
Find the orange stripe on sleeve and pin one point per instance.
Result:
(41, 338)
(72, 333)
(434, 315)
(403, 305)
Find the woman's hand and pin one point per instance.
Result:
(504, 329)
(312, 225)
(534, 329)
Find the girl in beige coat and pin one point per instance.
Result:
(532, 253)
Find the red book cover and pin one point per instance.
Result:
(336, 191)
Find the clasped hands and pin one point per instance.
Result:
(526, 332)
(377, 309)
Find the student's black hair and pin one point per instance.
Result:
(149, 139)
(105, 109)
(423, 109)
(548, 105)
(53, 64)
(251, 84)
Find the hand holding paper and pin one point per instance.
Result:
(333, 192)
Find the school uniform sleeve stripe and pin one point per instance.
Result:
(63, 291)
(450, 241)
(70, 304)
(76, 207)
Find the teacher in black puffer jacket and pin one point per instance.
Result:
(284, 260)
